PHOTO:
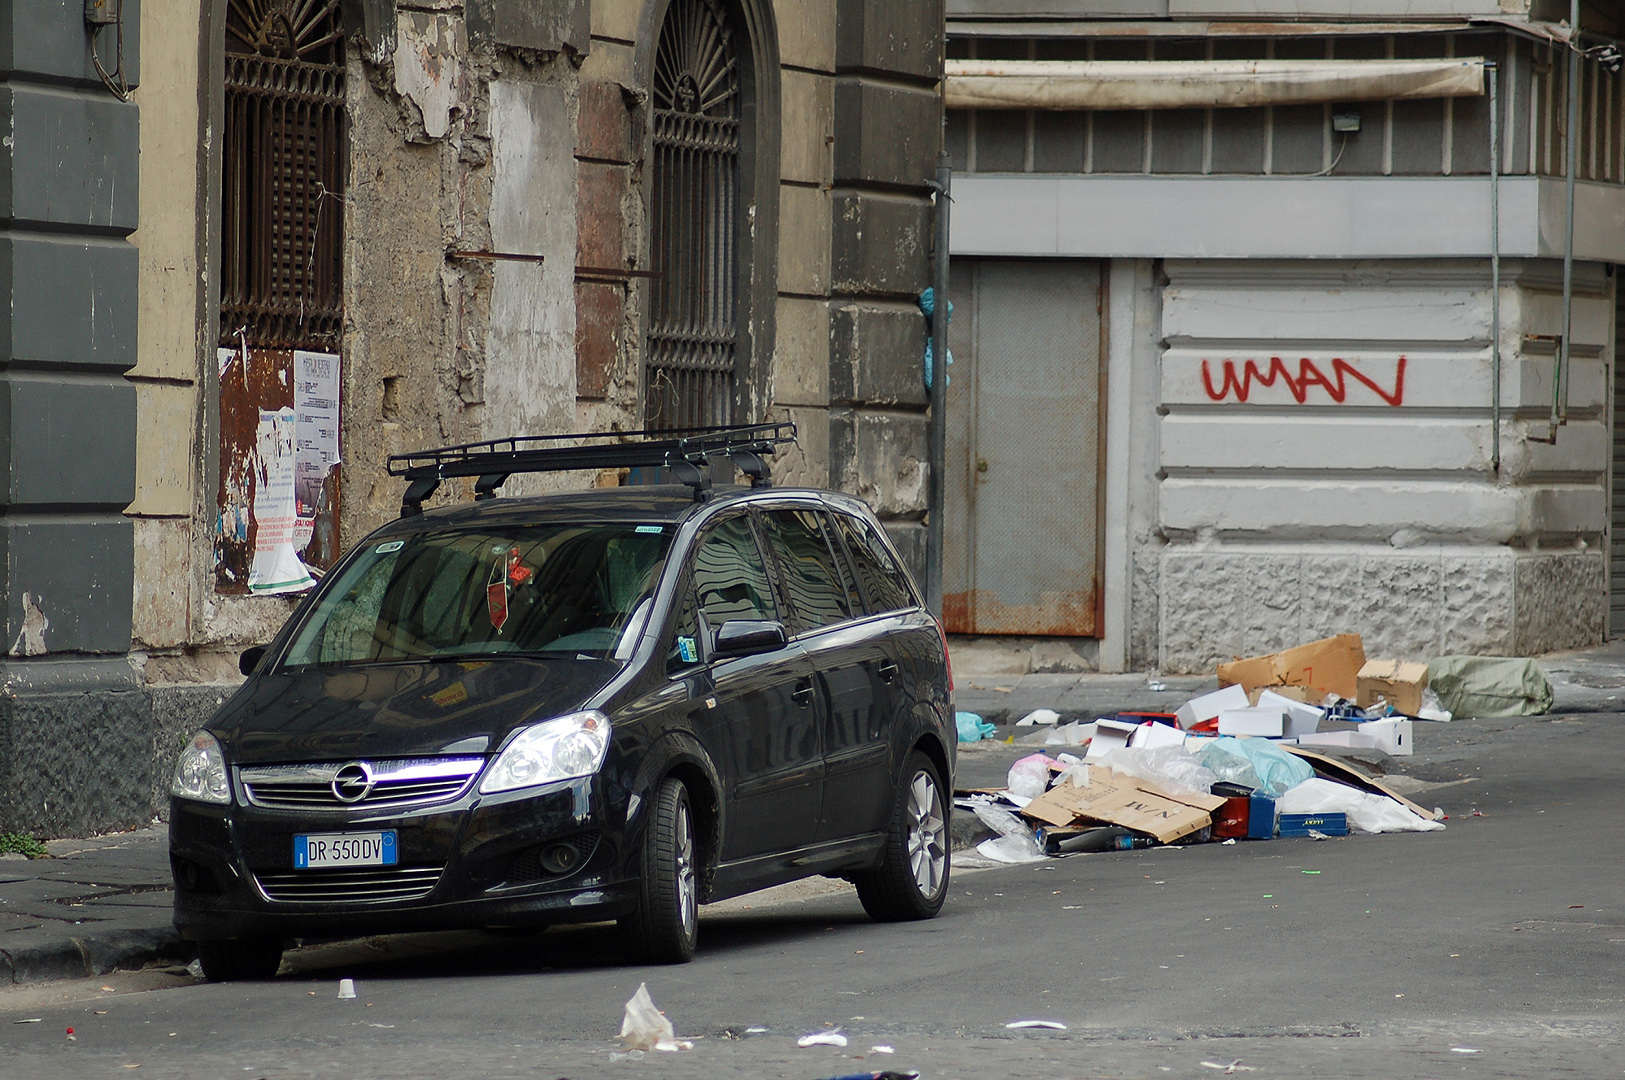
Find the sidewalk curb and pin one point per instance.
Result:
(93, 954)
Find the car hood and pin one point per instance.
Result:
(399, 710)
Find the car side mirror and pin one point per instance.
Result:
(250, 659)
(747, 637)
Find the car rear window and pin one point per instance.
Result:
(565, 589)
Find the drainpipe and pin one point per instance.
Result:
(1495, 269)
(938, 436)
(1560, 404)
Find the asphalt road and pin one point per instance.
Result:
(1375, 956)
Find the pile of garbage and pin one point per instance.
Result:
(1242, 762)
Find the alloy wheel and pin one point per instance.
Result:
(927, 828)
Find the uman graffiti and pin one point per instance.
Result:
(1299, 384)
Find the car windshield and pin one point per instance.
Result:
(546, 589)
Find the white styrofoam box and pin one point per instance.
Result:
(1208, 706)
(1147, 736)
(1109, 735)
(1391, 736)
(1349, 740)
(1267, 721)
(1301, 719)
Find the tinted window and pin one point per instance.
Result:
(812, 579)
(554, 588)
(729, 576)
(883, 582)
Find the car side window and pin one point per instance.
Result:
(684, 650)
(812, 579)
(882, 579)
(730, 578)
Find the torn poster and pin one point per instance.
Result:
(316, 435)
(276, 567)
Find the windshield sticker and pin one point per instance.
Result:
(385, 549)
(455, 694)
(686, 649)
(656, 529)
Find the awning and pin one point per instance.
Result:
(1199, 84)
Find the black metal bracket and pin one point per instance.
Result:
(683, 452)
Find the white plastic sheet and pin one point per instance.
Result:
(1367, 813)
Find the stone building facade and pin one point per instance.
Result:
(446, 221)
(1275, 327)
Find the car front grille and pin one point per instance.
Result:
(414, 782)
(373, 885)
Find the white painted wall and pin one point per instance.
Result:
(530, 371)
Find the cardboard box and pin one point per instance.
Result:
(1332, 824)
(1147, 736)
(1348, 740)
(1301, 718)
(1108, 736)
(1329, 666)
(1209, 706)
(1267, 722)
(1260, 817)
(1392, 736)
(1124, 800)
(1399, 682)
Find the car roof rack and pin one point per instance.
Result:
(682, 451)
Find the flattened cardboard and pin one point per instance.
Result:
(1329, 666)
(1123, 800)
(1332, 769)
(1398, 682)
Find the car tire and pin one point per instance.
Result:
(665, 926)
(238, 959)
(911, 881)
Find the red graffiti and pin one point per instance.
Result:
(1298, 385)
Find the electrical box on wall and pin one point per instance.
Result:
(102, 12)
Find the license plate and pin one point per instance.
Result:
(314, 850)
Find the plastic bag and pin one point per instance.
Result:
(973, 728)
(1039, 716)
(1170, 767)
(1489, 686)
(1367, 813)
(1015, 842)
(1074, 734)
(643, 1027)
(1029, 777)
(1236, 770)
(1277, 771)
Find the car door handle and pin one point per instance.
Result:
(888, 670)
(803, 693)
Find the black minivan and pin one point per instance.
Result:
(618, 704)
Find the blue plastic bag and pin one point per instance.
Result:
(1278, 771)
(973, 728)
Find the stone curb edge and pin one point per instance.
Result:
(85, 956)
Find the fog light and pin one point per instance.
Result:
(560, 859)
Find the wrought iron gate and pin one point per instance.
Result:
(691, 352)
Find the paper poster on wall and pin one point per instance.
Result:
(316, 435)
(276, 567)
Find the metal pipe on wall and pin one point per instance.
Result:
(1495, 268)
(1560, 393)
(937, 448)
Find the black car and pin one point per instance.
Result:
(613, 704)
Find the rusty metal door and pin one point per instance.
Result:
(1022, 533)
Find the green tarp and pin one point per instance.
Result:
(1489, 686)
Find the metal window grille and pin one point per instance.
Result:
(692, 344)
(282, 177)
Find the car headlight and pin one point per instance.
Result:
(201, 771)
(560, 749)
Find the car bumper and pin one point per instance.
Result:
(475, 862)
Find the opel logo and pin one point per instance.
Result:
(353, 782)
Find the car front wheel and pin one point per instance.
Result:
(912, 878)
(244, 958)
(664, 928)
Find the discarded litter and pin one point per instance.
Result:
(972, 728)
(1490, 686)
(645, 1027)
(1234, 1067)
(627, 1055)
(1039, 716)
(756, 1031)
(346, 989)
(1053, 1025)
(822, 1038)
(882, 1050)
(1463, 1050)
(32, 1020)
